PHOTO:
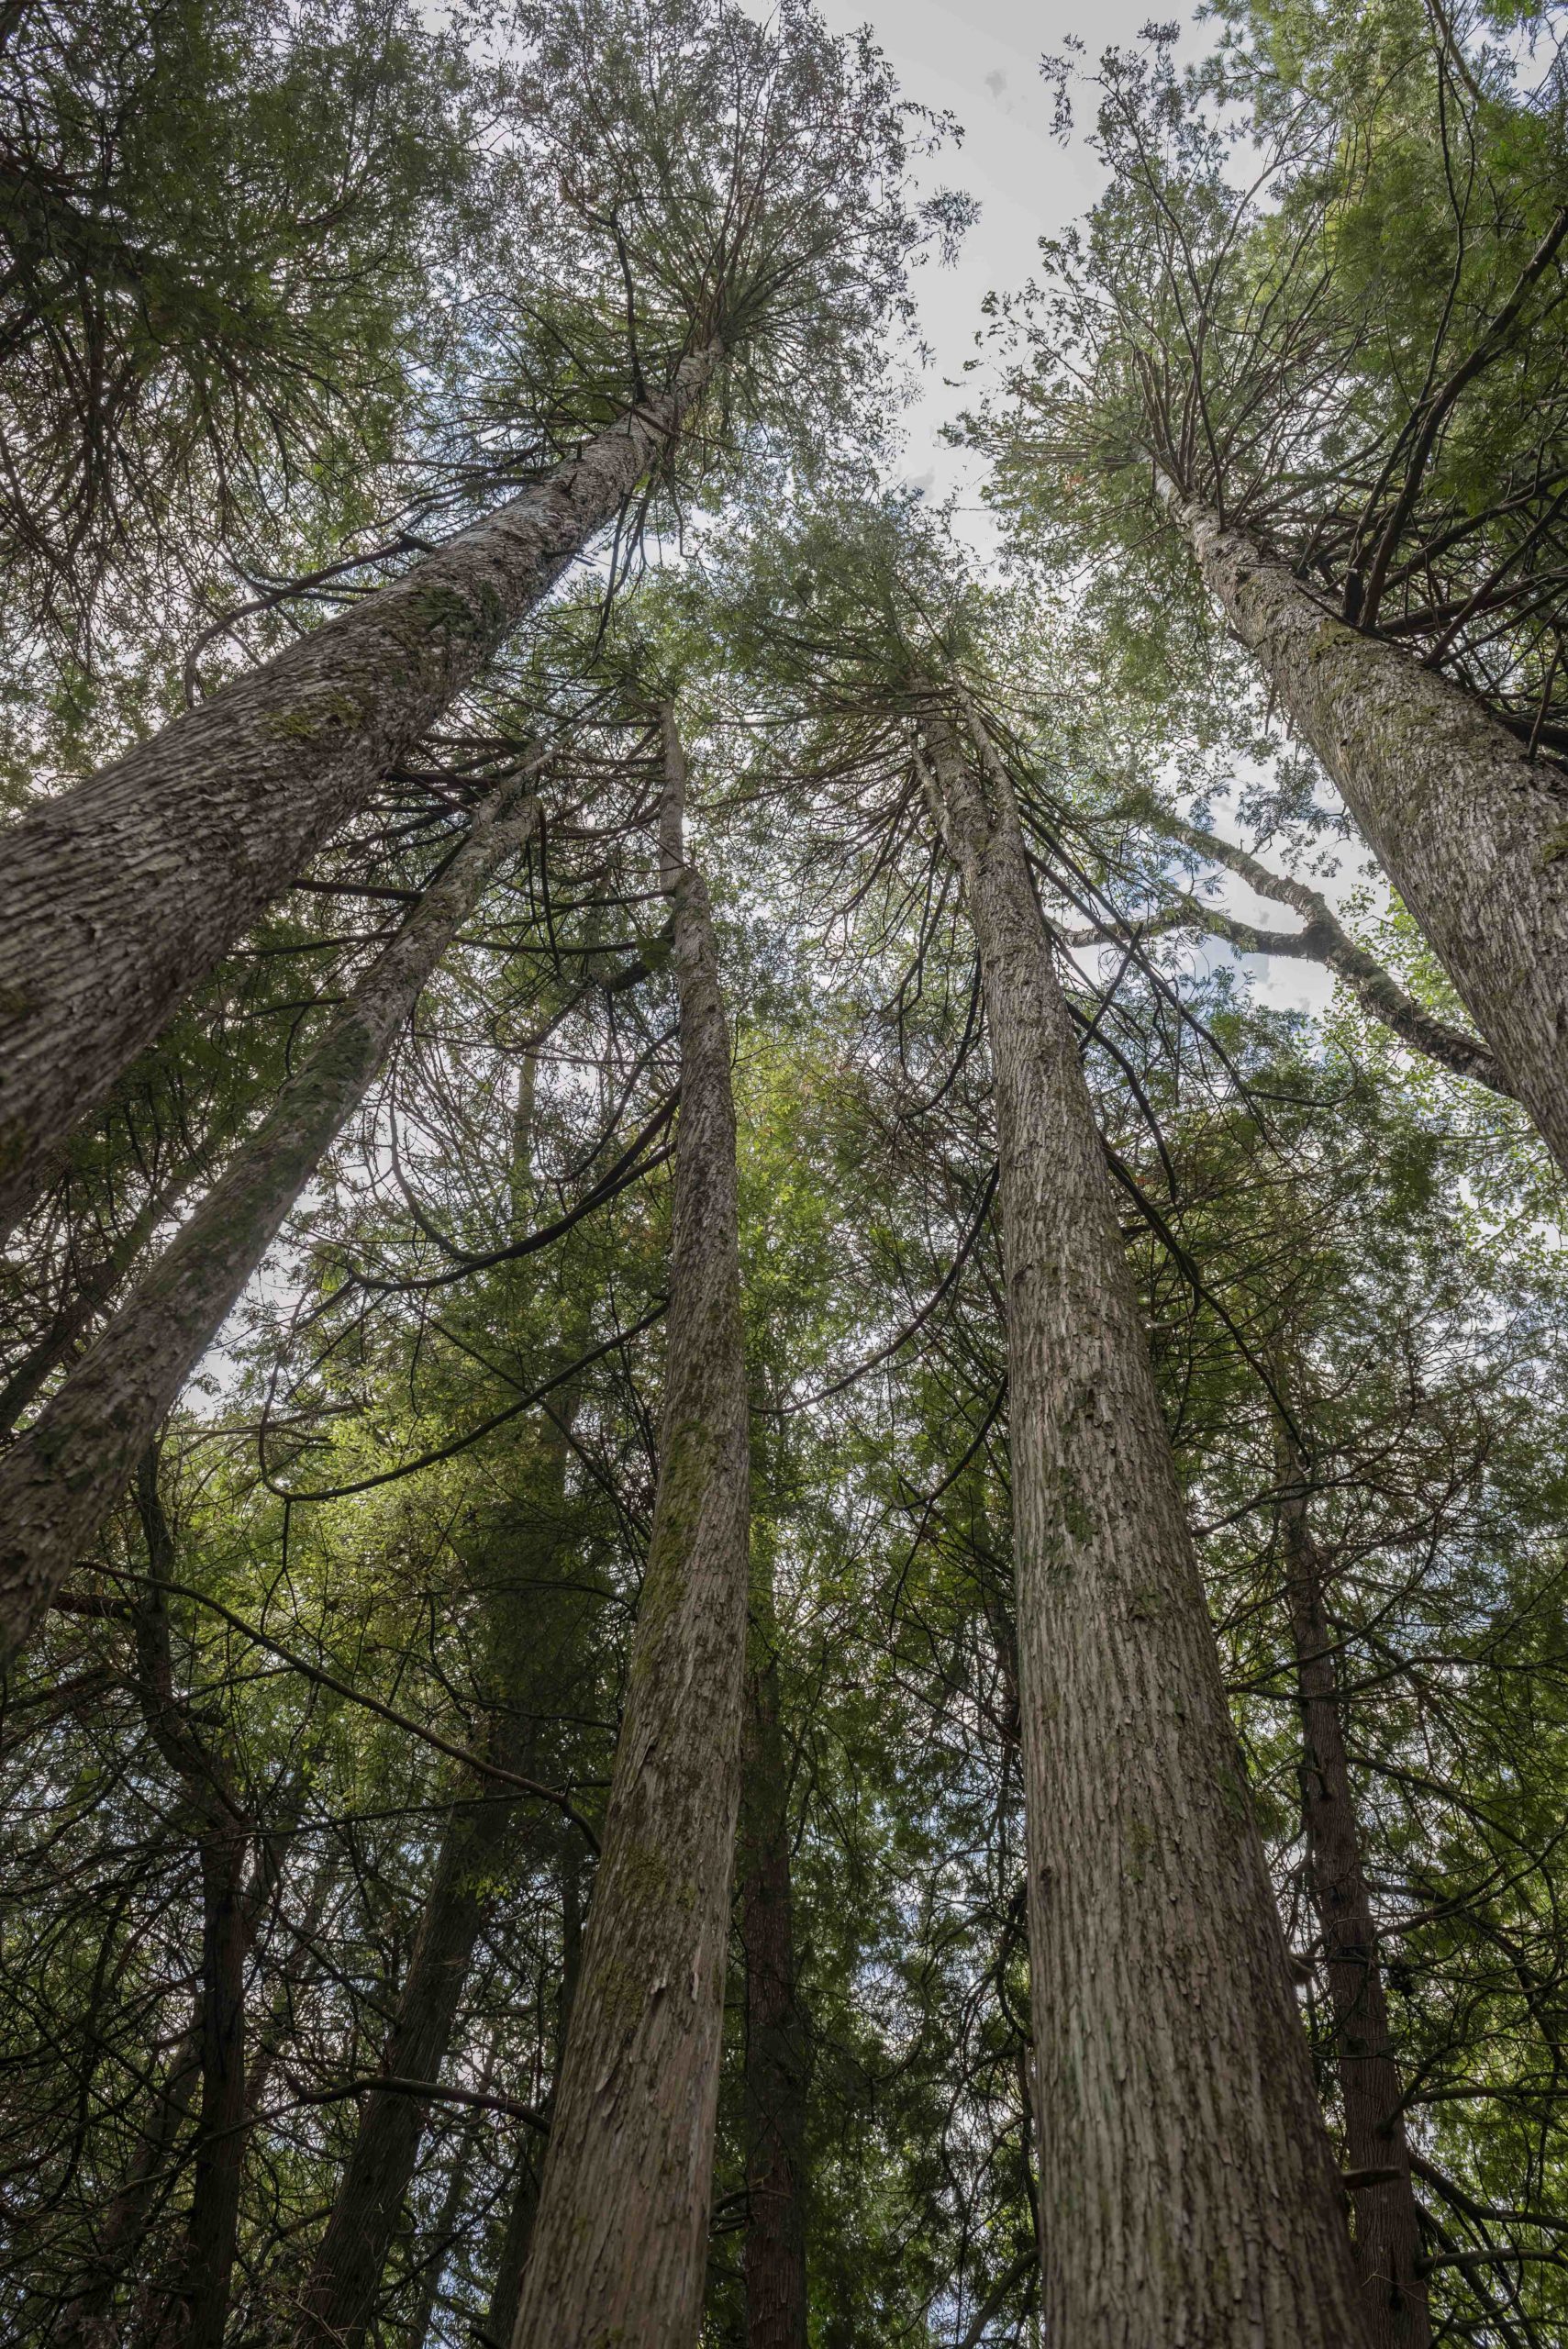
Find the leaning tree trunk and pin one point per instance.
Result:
(620, 2239)
(1185, 2172)
(776, 2083)
(1471, 832)
(60, 1479)
(118, 898)
(1388, 2246)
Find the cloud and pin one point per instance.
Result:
(996, 82)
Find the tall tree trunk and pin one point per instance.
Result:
(476, 1850)
(61, 1477)
(1471, 832)
(198, 2309)
(619, 2243)
(448, 2218)
(776, 2060)
(211, 2227)
(118, 898)
(1388, 2226)
(1185, 2167)
(86, 2310)
(501, 2319)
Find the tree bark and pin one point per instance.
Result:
(776, 2060)
(121, 896)
(61, 1477)
(1471, 832)
(1185, 2166)
(1388, 2247)
(619, 2243)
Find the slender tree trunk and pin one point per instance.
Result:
(619, 2243)
(1185, 2167)
(61, 1477)
(118, 898)
(1388, 2246)
(476, 1850)
(200, 2311)
(501, 2320)
(448, 2218)
(87, 2317)
(92, 1291)
(1471, 832)
(196, 2311)
(776, 2060)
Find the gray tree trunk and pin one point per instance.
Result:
(61, 1477)
(1469, 830)
(1388, 2246)
(620, 2240)
(121, 896)
(1185, 2172)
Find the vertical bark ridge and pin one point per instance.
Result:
(61, 1477)
(619, 2242)
(1388, 2246)
(1469, 829)
(121, 896)
(1185, 2166)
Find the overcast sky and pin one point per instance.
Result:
(980, 63)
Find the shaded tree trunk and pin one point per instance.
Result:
(121, 896)
(1388, 2246)
(448, 2218)
(477, 1849)
(196, 2311)
(1185, 2167)
(620, 2240)
(62, 1476)
(502, 2317)
(1471, 832)
(87, 2311)
(776, 2056)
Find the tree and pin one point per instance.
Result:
(619, 2239)
(731, 254)
(1339, 381)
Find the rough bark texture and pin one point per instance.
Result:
(59, 1479)
(776, 2057)
(1185, 2166)
(1471, 833)
(118, 897)
(620, 2243)
(1388, 2246)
